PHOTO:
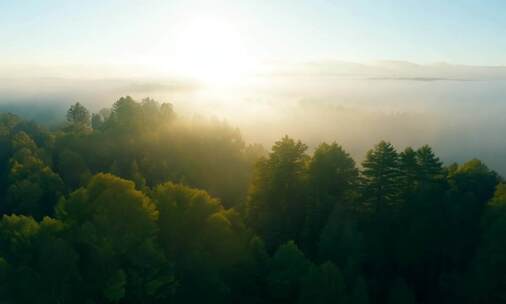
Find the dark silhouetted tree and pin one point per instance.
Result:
(277, 199)
(381, 177)
(78, 117)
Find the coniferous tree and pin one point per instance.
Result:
(429, 164)
(333, 178)
(289, 267)
(431, 234)
(409, 170)
(78, 117)
(277, 200)
(97, 121)
(323, 284)
(487, 279)
(381, 178)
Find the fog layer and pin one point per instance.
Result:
(458, 110)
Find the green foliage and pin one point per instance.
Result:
(381, 178)
(276, 204)
(116, 226)
(410, 170)
(110, 206)
(114, 289)
(72, 169)
(487, 276)
(78, 117)
(147, 207)
(333, 179)
(145, 142)
(332, 171)
(97, 121)
(324, 284)
(288, 269)
(341, 241)
(36, 255)
(208, 243)
(182, 211)
(430, 167)
(33, 188)
(474, 178)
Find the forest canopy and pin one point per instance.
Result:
(134, 204)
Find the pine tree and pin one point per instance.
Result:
(78, 117)
(409, 170)
(277, 199)
(430, 167)
(381, 177)
(333, 177)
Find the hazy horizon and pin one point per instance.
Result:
(409, 72)
(288, 151)
(454, 108)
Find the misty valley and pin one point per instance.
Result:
(137, 204)
(253, 152)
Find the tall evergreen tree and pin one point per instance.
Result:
(277, 199)
(409, 169)
(78, 117)
(381, 177)
(488, 272)
(430, 167)
(333, 178)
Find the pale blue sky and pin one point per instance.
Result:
(92, 31)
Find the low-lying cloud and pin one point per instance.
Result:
(456, 109)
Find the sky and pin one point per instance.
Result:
(412, 72)
(171, 33)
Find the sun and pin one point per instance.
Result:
(210, 50)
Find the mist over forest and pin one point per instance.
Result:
(135, 203)
(456, 109)
(252, 152)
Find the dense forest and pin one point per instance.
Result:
(134, 204)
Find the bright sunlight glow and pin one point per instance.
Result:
(211, 51)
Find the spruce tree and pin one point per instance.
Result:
(381, 177)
